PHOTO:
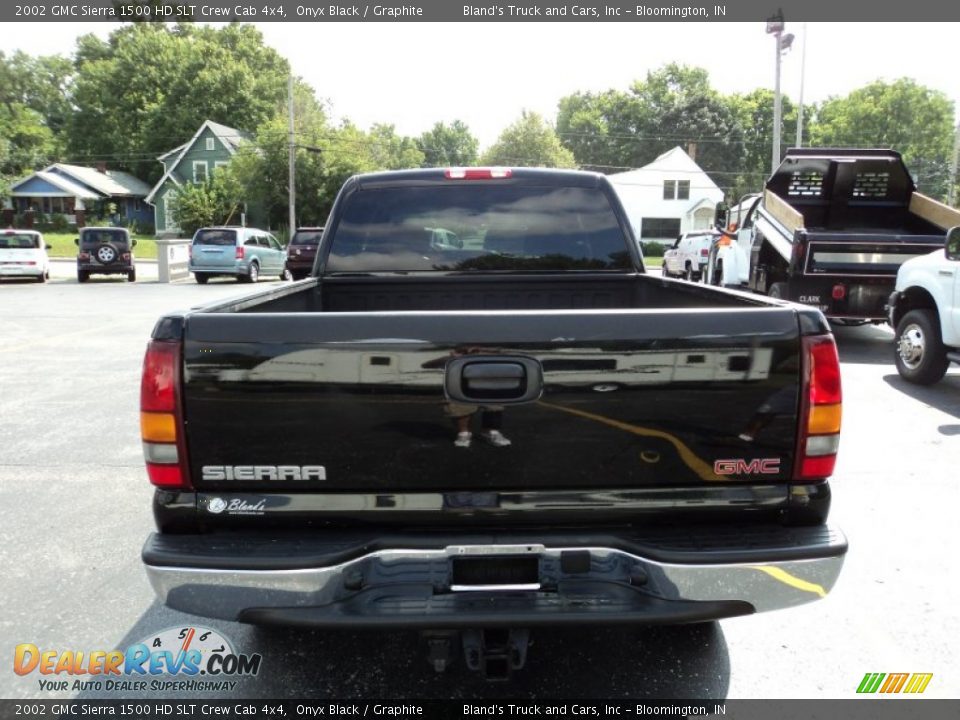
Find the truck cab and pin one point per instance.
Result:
(925, 310)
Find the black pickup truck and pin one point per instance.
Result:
(480, 415)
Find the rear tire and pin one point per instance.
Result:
(82, 276)
(287, 275)
(132, 276)
(688, 273)
(919, 353)
(42, 278)
(201, 278)
(253, 274)
(778, 291)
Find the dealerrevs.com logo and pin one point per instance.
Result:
(891, 683)
(200, 659)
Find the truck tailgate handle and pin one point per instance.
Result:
(497, 379)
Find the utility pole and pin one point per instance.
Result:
(952, 185)
(293, 172)
(803, 70)
(775, 26)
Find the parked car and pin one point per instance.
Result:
(689, 254)
(105, 251)
(302, 251)
(925, 310)
(23, 253)
(242, 252)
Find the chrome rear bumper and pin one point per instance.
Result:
(571, 581)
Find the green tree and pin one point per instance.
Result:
(262, 166)
(448, 145)
(601, 129)
(674, 105)
(903, 115)
(754, 114)
(148, 87)
(214, 202)
(389, 151)
(529, 142)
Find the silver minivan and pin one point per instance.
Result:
(246, 253)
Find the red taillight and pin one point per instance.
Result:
(704, 252)
(820, 409)
(158, 381)
(165, 476)
(160, 421)
(477, 173)
(839, 292)
(126, 256)
(84, 256)
(239, 253)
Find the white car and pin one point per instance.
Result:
(689, 254)
(23, 253)
(925, 312)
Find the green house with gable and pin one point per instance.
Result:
(210, 148)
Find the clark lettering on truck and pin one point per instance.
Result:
(467, 418)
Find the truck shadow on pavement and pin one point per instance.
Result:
(865, 345)
(676, 662)
(944, 396)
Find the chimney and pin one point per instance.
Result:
(101, 167)
(692, 150)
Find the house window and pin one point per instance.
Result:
(199, 171)
(659, 228)
(210, 145)
(219, 164)
(676, 189)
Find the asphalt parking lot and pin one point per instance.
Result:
(76, 507)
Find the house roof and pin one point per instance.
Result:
(111, 183)
(230, 137)
(67, 187)
(168, 153)
(673, 164)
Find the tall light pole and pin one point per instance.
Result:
(952, 187)
(803, 71)
(783, 42)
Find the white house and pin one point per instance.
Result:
(668, 197)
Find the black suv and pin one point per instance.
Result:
(105, 251)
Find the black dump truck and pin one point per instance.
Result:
(830, 230)
(480, 416)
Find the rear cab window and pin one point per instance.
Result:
(306, 237)
(100, 236)
(22, 241)
(215, 237)
(478, 227)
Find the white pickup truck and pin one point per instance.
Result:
(925, 310)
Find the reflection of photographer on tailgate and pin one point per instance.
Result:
(491, 416)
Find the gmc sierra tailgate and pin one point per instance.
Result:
(588, 399)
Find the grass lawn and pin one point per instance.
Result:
(653, 262)
(63, 245)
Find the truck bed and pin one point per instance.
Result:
(463, 292)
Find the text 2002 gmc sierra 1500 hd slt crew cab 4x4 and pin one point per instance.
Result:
(514, 427)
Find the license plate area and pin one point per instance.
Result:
(503, 572)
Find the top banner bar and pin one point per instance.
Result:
(317, 11)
